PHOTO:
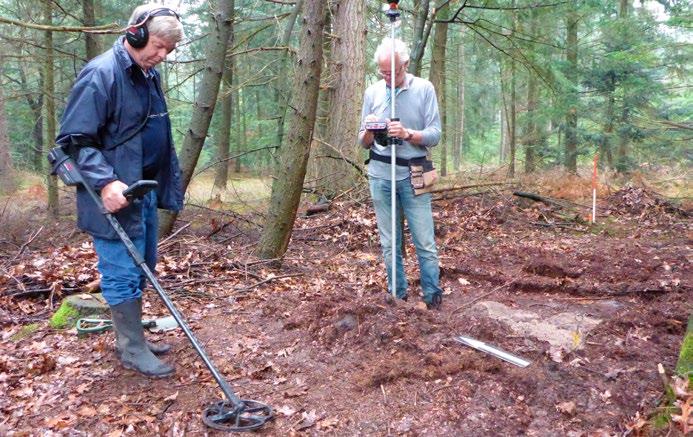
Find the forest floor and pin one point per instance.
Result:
(594, 308)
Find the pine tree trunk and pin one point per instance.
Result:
(49, 109)
(221, 173)
(437, 78)
(240, 135)
(203, 109)
(7, 175)
(291, 169)
(36, 106)
(622, 150)
(531, 135)
(320, 166)
(90, 39)
(459, 132)
(243, 122)
(419, 39)
(513, 105)
(348, 62)
(281, 97)
(606, 146)
(571, 116)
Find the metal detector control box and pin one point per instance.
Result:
(376, 125)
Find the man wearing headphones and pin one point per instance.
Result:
(116, 125)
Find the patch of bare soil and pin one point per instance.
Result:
(319, 341)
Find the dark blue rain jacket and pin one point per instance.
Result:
(101, 124)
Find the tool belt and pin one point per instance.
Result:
(423, 174)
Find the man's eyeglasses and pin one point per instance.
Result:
(387, 73)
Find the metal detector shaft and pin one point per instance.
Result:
(139, 260)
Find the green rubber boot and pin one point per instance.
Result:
(134, 353)
(156, 348)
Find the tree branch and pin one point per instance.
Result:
(106, 28)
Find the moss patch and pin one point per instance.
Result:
(608, 226)
(25, 332)
(662, 419)
(66, 316)
(685, 364)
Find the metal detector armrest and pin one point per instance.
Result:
(64, 166)
(139, 189)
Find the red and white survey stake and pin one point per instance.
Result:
(594, 188)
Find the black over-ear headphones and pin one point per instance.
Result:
(137, 34)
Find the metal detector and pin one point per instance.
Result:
(232, 414)
(393, 14)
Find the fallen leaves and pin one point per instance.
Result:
(62, 421)
(308, 419)
(683, 391)
(44, 364)
(87, 411)
(685, 419)
(567, 407)
(286, 410)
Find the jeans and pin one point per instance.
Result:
(417, 210)
(121, 278)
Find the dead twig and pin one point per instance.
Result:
(199, 281)
(327, 225)
(476, 299)
(230, 237)
(226, 213)
(24, 246)
(19, 283)
(162, 242)
(264, 281)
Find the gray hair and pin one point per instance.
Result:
(385, 47)
(166, 27)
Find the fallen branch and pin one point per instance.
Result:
(443, 189)
(36, 292)
(537, 198)
(8, 319)
(547, 200)
(563, 225)
(316, 208)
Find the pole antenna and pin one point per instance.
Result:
(393, 14)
